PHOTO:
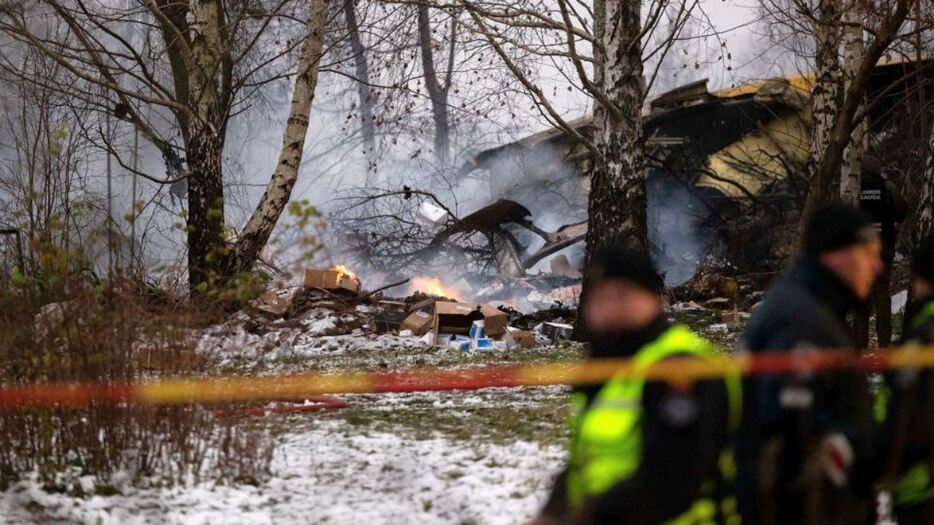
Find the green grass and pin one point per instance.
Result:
(499, 416)
(496, 416)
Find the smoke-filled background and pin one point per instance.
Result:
(723, 42)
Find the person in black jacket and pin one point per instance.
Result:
(883, 203)
(905, 406)
(641, 452)
(805, 441)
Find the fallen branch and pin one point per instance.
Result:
(388, 286)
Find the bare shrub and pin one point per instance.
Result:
(113, 333)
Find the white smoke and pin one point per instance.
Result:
(673, 215)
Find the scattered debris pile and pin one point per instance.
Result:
(331, 312)
(708, 287)
(533, 292)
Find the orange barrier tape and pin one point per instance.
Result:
(241, 389)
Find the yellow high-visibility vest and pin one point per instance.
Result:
(606, 437)
(913, 486)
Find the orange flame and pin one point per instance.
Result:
(344, 271)
(434, 286)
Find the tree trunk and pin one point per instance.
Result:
(206, 133)
(854, 49)
(361, 64)
(258, 229)
(829, 168)
(206, 247)
(616, 206)
(437, 94)
(924, 209)
(826, 92)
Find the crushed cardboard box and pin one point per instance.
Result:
(451, 324)
(524, 338)
(419, 322)
(271, 302)
(458, 318)
(389, 321)
(555, 331)
(455, 318)
(332, 281)
(494, 320)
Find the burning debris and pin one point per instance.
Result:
(433, 287)
(332, 312)
(337, 279)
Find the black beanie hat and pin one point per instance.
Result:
(837, 225)
(619, 260)
(923, 264)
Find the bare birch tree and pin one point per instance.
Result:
(364, 94)
(200, 62)
(601, 42)
(827, 79)
(438, 85)
(853, 51)
(924, 200)
(612, 32)
(889, 17)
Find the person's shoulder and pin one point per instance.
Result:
(780, 302)
(787, 312)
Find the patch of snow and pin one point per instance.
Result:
(686, 306)
(719, 328)
(332, 473)
(319, 326)
(281, 345)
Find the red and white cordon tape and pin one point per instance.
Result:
(209, 390)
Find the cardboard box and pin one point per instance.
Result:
(523, 338)
(557, 331)
(388, 321)
(458, 318)
(494, 321)
(455, 318)
(270, 302)
(419, 322)
(332, 281)
(427, 305)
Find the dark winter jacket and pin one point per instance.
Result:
(683, 431)
(881, 200)
(907, 429)
(787, 414)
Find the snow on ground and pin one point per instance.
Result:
(480, 457)
(244, 344)
(330, 471)
(318, 340)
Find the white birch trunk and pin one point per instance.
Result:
(854, 49)
(258, 229)
(924, 210)
(826, 91)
